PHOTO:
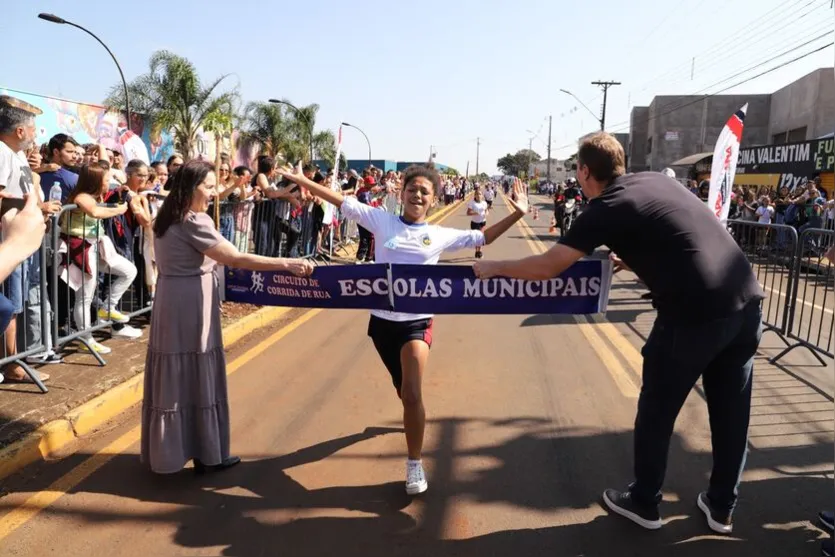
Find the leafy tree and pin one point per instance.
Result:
(517, 164)
(173, 97)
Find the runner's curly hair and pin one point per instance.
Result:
(182, 186)
(422, 171)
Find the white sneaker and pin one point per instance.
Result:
(415, 477)
(127, 332)
(98, 347)
(45, 358)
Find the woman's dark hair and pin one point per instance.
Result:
(265, 164)
(177, 204)
(422, 171)
(172, 158)
(241, 170)
(318, 178)
(157, 164)
(90, 181)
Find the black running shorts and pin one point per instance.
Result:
(389, 337)
(477, 225)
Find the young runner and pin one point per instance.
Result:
(489, 195)
(477, 208)
(403, 340)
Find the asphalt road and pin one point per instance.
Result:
(529, 421)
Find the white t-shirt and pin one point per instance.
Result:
(15, 173)
(765, 214)
(480, 210)
(396, 241)
(488, 195)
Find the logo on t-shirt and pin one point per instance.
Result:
(427, 241)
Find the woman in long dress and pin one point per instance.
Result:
(185, 410)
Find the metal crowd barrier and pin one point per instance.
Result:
(69, 280)
(812, 315)
(797, 281)
(31, 326)
(771, 249)
(273, 228)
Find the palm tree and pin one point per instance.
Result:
(273, 129)
(173, 97)
(286, 133)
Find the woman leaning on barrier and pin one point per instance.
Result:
(90, 249)
(185, 410)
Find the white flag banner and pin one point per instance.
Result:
(329, 217)
(723, 170)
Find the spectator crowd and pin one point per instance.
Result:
(101, 208)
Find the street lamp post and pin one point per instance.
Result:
(346, 124)
(306, 119)
(596, 117)
(55, 19)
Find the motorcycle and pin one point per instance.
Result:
(570, 210)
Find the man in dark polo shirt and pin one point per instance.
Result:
(708, 323)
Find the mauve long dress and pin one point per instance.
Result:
(185, 409)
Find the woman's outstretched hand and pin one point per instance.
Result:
(299, 267)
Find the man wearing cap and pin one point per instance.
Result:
(17, 134)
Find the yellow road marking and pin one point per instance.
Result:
(626, 381)
(42, 500)
(623, 379)
(17, 517)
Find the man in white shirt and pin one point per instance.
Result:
(17, 134)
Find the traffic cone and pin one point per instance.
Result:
(553, 228)
(536, 214)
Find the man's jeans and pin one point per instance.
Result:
(675, 356)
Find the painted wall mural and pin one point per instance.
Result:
(90, 123)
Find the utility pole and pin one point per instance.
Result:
(530, 159)
(605, 85)
(477, 153)
(549, 148)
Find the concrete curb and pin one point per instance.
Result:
(48, 440)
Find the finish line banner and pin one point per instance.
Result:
(439, 289)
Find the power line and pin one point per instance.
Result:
(737, 84)
(663, 21)
(743, 52)
(756, 28)
(775, 68)
(746, 70)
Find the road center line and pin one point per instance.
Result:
(591, 327)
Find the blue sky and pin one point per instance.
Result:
(431, 73)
